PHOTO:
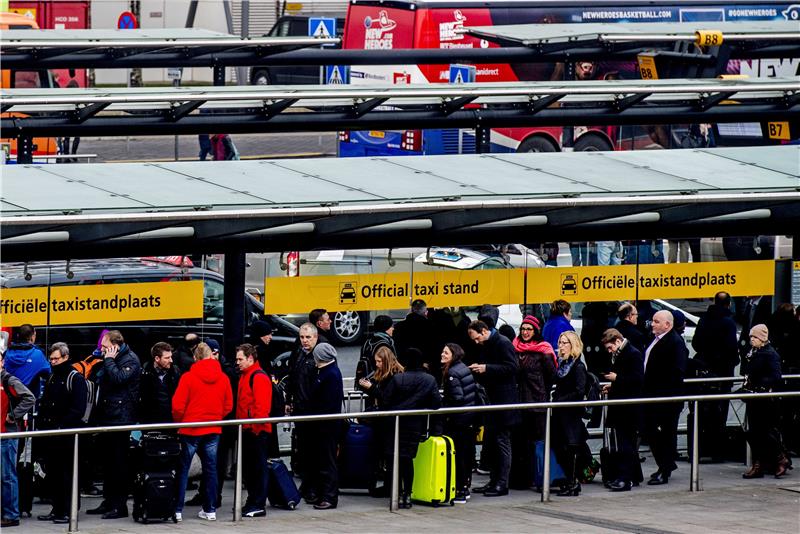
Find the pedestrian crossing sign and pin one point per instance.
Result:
(462, 73)
(337, 74)
(322, 27)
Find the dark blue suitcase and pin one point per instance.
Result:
(357, 461)
(281, 490)
(556, 472)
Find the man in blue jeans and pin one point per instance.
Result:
(203, 394)
(17, 400)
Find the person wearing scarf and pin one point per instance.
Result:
(570, 433)
(537, 370)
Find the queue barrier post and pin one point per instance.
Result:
(694, 482)
(394, 502)
(546, 470)
(73, 505)
(237, 491)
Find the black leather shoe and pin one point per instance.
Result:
(100, 510)
(63, 520)
(46, 517)
(656, 474)
(482, 489)
(324, 505)
(659, 480)
(9, 523)
(311, 499)
(115, 514)
(570, 491)
(495, 492)
(620, 485)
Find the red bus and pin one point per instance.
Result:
(374, 24)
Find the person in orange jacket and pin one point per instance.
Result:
(254, 401)
(203, 394)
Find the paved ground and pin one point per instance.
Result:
(161, 148)
(728, 504)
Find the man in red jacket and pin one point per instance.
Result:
(203, 394)
(254, 401)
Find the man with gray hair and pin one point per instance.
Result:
(302, 373)
(664, 370)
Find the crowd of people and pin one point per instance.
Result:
(430, 359)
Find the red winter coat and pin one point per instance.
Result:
(203, 394)
(255, 402)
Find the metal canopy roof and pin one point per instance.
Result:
(572, 34)
(179, 47)
(276, 108)
(91, 211)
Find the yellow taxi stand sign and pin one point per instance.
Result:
(392, 291)
(103, 304)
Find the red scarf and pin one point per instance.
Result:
(534, 346)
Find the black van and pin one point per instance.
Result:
(141, 335)
(292, 26)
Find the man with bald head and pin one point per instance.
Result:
(664, 369)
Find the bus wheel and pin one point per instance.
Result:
(592, 143)
(348, 327)
(536, 144)
(259, 77)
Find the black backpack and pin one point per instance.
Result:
(593, 393)
(278, 406)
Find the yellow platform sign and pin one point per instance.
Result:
(393, 291)
(651, 281)
(106, 303)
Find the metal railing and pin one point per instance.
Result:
(694, 484)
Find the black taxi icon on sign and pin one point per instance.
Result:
(347, 293)
(569, 284)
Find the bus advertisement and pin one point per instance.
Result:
(373, 24)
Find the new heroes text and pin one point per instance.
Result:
(622, 282)
(118, 303)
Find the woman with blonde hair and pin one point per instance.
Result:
(570, 434)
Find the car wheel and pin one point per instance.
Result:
(348, 327)
(592, 143)
(536, 144)
(260, 77)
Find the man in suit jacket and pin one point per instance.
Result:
(664, 370)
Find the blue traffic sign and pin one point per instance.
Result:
(462, 73)
(127, 21)
(322, 27)
(337, 74)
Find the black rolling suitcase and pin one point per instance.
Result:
(156, 487)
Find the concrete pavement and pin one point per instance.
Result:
(728, 504)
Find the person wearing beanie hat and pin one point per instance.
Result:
(381, 337)
(260, 338)
(537, 370)
(322, 476)
(761, 368)
(383, 323)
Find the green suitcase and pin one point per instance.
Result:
(435, 472)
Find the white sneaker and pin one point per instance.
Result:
(178, 517)
(209, 516)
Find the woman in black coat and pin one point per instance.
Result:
(537, 372)
(460, 389)
(762, 370)
(569, 431)
(412, 390)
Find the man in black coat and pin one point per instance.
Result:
(119, 397)
(416, 331)
(627, 325)
(627, 379)
(498, 374)
(717, 356)
(299, 386)
(664, 370)
(158, 384)
(63, 405)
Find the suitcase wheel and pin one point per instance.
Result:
(174, 518)
(291, 505)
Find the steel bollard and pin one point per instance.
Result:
(694, 483)
(394, 502)
(73, 505)
(546, 473)
(237, 491)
